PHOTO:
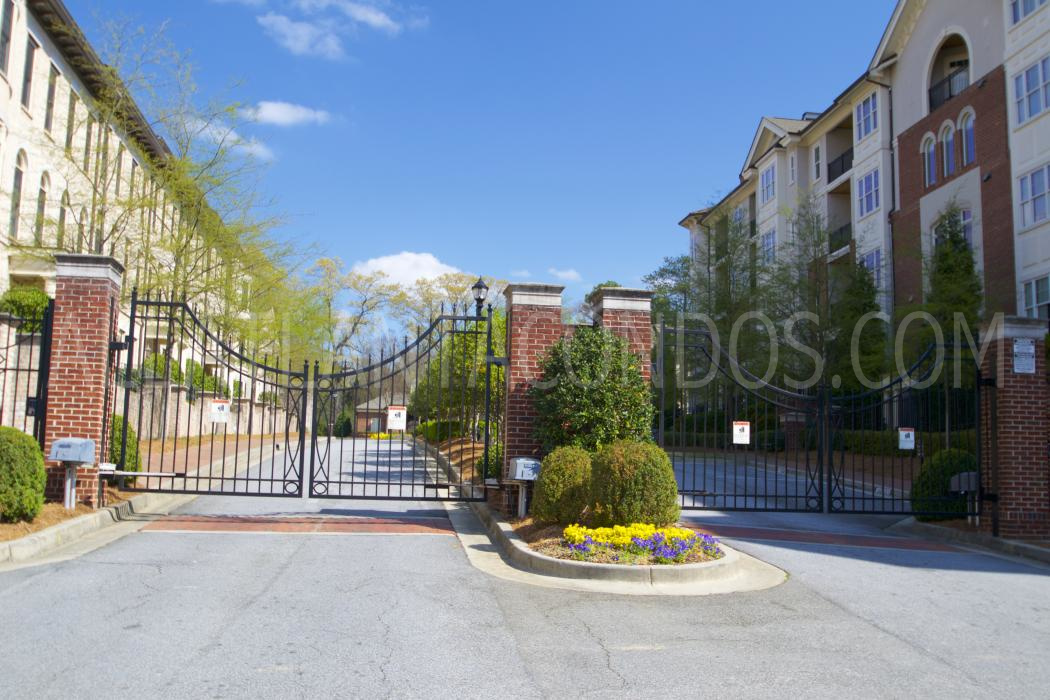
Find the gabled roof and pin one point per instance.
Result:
(768, 134)
(897, 32)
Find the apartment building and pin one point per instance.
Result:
(949, 112)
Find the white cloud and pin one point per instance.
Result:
(302, 38)
(566, 275)
(358, 13)
(406, 267)
(285, 114)
(221, 134)
(520, 273)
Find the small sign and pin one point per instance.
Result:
(906, 438)
(219, 410)
(1024, 356)
(741, 432)
(396, 417)
(524, 468)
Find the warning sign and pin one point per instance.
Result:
(396, 417)
(219, 410)
(906, 438)
(741, 432)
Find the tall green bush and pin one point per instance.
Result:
(132, 458)
(592, 392)
(25, 302)
(633, 482)
(22, 476)
(931, 490)
(563, 486)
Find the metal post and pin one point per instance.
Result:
(302, 429)
(127, 378)
(488, 396)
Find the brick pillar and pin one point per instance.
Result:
(87, 287)
(1014, 463)
(628, 313)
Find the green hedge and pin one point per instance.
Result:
(22, 476)
(633, 482)
(28, 303)
(434, 431)
(132, 458)
(563, 488)
(931, 490)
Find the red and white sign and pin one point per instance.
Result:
(396, 417)
(906, 438)
(741, 432)
(219, 410)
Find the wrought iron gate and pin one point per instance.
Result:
(25, 362)
(203, 417)
(739, 443)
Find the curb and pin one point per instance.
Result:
(56, 536)
(653, 575)
(977, 539)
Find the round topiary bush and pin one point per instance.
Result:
(28, 303)
(563, 486)
(633, 482)
(592, 392)
(22, 476)
(931, 490)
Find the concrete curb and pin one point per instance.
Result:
(57, 536)
(976, 539)
(522, 556)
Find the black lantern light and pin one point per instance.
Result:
(480, 290)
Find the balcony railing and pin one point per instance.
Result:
(950, 86)
(842, 164)
(840, 238)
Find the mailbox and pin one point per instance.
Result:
(524, 468)
(79, 450)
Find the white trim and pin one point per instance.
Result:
(102, 269)
(1015, 327)
(625, 304)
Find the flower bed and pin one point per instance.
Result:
(638, 543)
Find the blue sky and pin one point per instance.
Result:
(560, 139)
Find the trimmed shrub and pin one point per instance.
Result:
(22, 476)
(132, 458)
(28, 303)
(495, 461)
(153, 368)
(563, 486)
(344, 424)
(592, 392)
(435, 431)
(931, 490)
(633, 482)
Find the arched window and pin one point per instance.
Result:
(929, 160)
(948, 149)
(968, 138)
(41, 210)
(63, 213)
(21, 165)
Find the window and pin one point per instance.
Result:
(969, 140)
(929, 161)
(1019, 9)
(1032, 90)
(868, 193)
(1033, 196)
(71, 121)
(792, 167)
(21, 165)
(87, 144)
(6, 21)
(62, 214)
(816, 162)
(867, 116)
(27, 74)
(872, 262)
(41, 209)
(948, 150)
(49, 108)
(768, 183)
(967, 225)
(769, 246)
(1037, 298)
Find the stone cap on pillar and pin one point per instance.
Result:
(89, 266)
(529, 294)
(623, 299)
(1014, 327)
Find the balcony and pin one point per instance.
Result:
(950, 86)
(752, 228)
(840, 238)
(841, 165)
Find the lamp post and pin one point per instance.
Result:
(480, 290)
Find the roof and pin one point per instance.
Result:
(380, 403)
(66, 34)
(897, 31)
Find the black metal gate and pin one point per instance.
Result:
(740, 443)
(415, 424)
(25, 362)
(203, 417)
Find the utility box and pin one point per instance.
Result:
(78, 450)
(524, 468)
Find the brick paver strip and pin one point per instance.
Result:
(814, 537)
(302, 524)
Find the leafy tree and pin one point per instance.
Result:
(856, 297)
(673, 285)
(587, 311)
(592, 392)
(954, 285)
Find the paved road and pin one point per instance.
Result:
(176, 614)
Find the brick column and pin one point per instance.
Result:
(628, 313)
(87, 287)
(1014, 464)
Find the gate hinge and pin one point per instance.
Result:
(499, 361)
(115, 345)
